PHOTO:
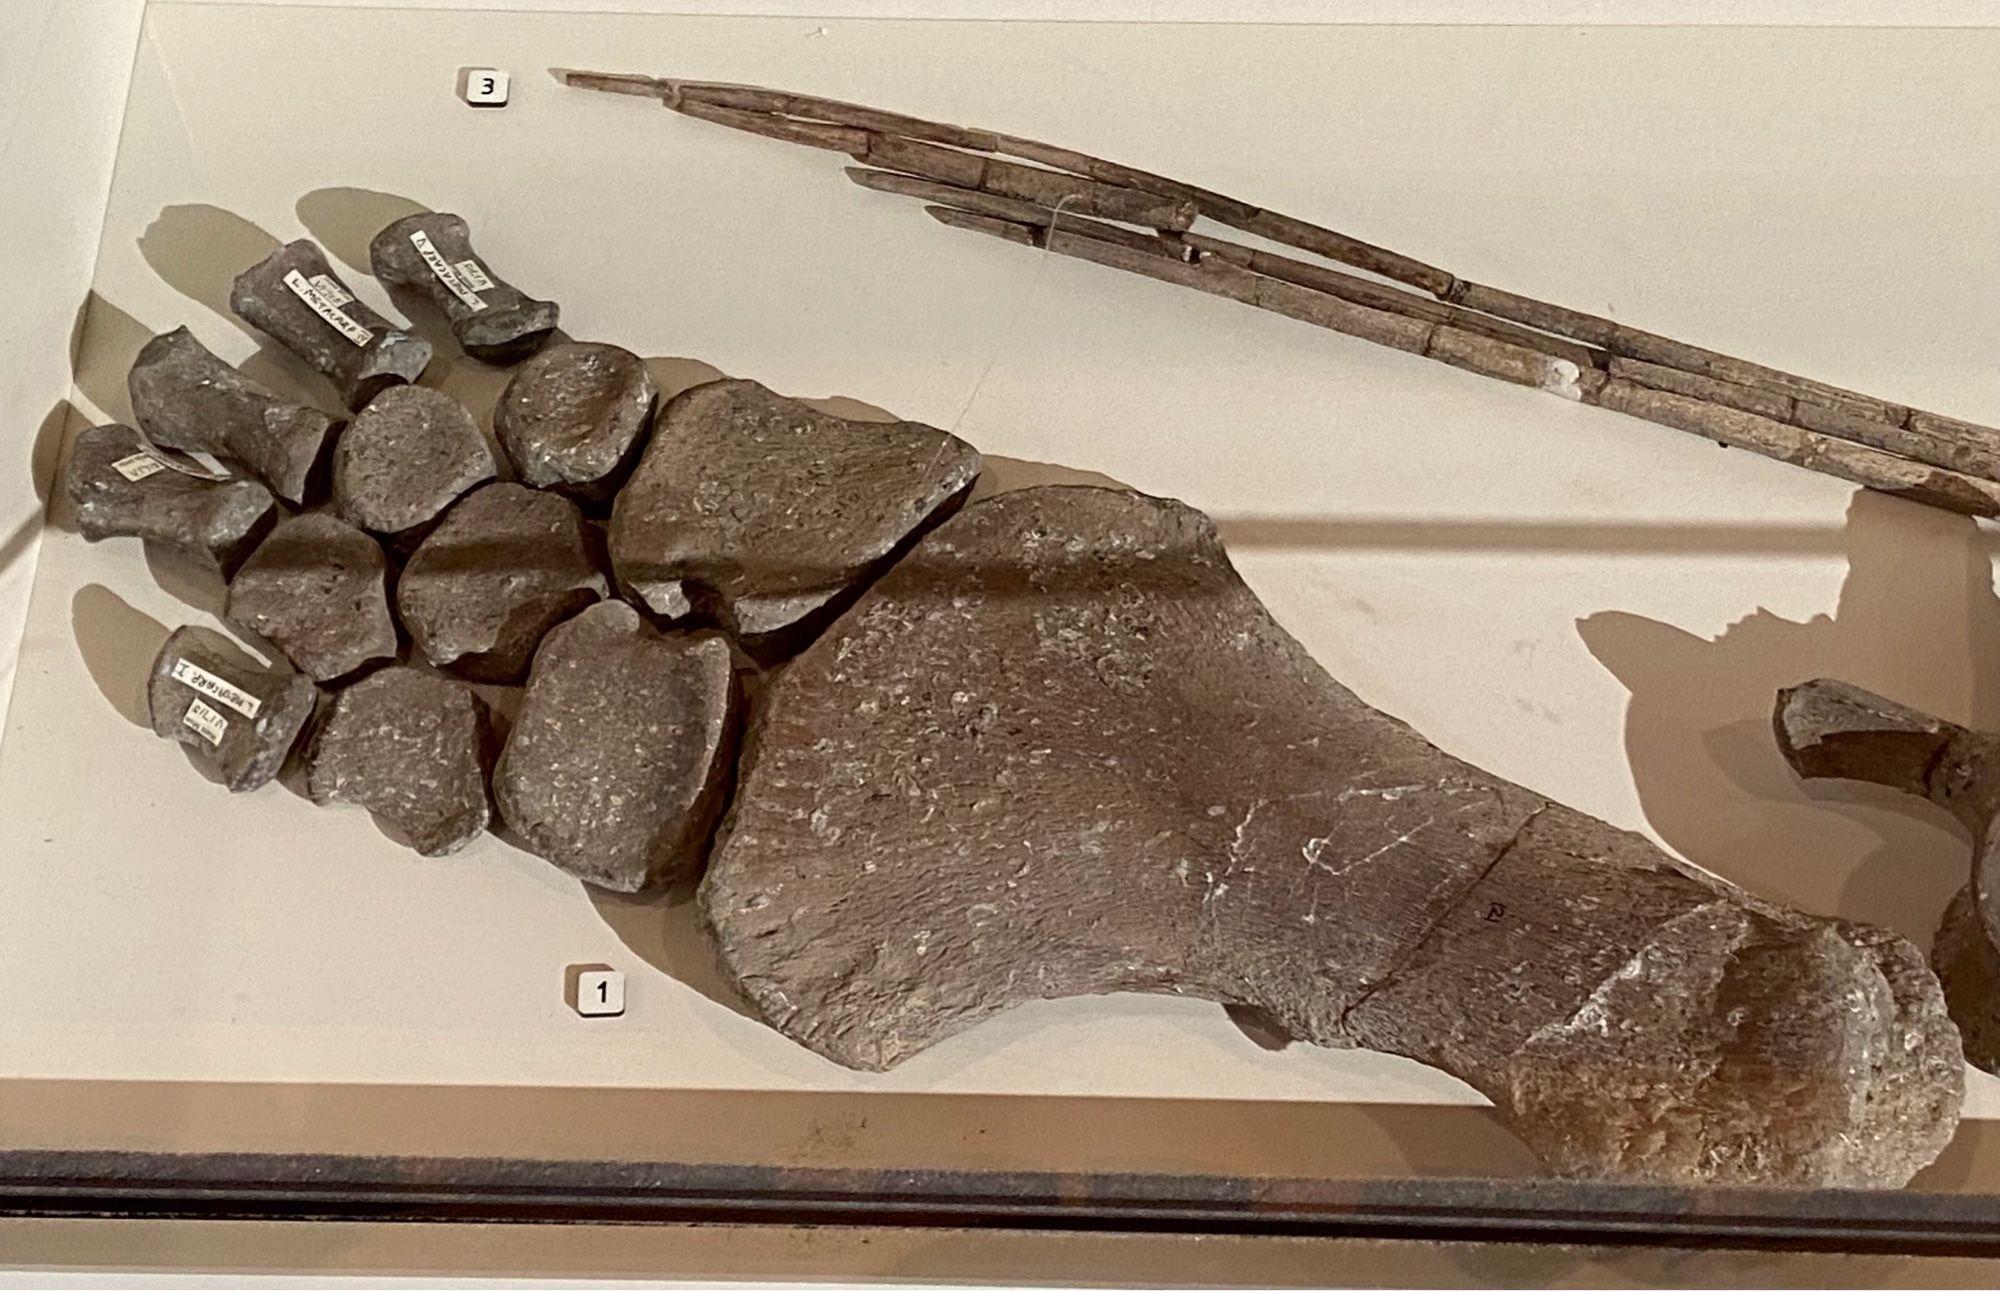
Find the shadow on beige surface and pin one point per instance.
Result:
(1917, 621)
(118, 645)
(198, 250)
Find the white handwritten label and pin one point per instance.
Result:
(138, 466)
(205, 722)
(327, 309)
(200, 679)
(330, 289)
(474, 276)
(444, 271)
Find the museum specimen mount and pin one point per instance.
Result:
(1043, 745)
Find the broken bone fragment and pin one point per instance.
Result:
(236, 721)
(504, 566)
(413, 748)
(620, 759)
(772, 512)
(1831, 730)
(293, 296)
(432, 253)
(1061, 749)
(573, 418)
(121, 488)
(317, 588)
(405, 458)
(184, 397)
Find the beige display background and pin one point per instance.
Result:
(1596, 607)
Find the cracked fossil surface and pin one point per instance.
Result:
(1061, 749)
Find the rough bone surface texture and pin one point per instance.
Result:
(120, 489)
(432, 253)
(408, 456)
(348, 343)
(574, 417)
(1061, 749)
(317, 589)
(1833, 730)
(238, 722)
(768, 513)
(184, 397)
(620, 760)
(415, 749)
(503, 567)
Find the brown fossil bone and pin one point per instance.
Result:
(432, 253)
(1830, 730)
(293, 296)
(1061, 749)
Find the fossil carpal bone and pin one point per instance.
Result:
(120, 488)
(184, 397)
(414, 748)
(293, 296)
(1061, 749)
(404, 459)
(317, 588)
(621, 757)
(1833, 730)
(773, 511)
(574, 417)
(432, 253)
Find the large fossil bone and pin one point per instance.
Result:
(294, 296)
(317, 588)
(494, 321)
(184, 397)
(404, 459)
(415, 749)
(1061, 749)
(573, 418)
(237, 722)
(1833, 730)
(769, 513)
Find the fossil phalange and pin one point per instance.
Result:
(184, 397)
(239, 722)
(120, 488)
(504, 566)
(620, 759)
(432, 253)
(317, 589)
(1061, 749)
(574, 417)
(412, 747)
(293, 296)
(1833, 730)
(772, 511)
(405, 458)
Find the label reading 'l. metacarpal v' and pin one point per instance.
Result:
(201, 680)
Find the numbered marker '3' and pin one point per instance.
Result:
(483, 87)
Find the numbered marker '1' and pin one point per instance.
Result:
(483, 87)
(599, 991)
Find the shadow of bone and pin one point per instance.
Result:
(344, 221)
(665, 930)
(199, 250)
(118, 644)
(1917, 621)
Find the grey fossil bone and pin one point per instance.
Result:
(1061, 749)
(317, 588)
(412, 747)
(505, 565)
(184, 397)
(1833, 730)
(773, 512)
(238, 722)
(574, 417)
(121, 488)
(620, 760)
(293, 296)
(432, 253)
(404, 459)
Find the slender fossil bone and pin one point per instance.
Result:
(965, 178)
